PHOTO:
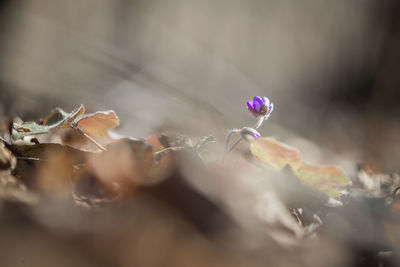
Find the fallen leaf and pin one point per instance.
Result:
(54, 175)
(97, 124)
(324, 179)
(46, 151)
(125, 165)
(47, 167)
(58, 115)
(277, 155)
(56, 119)
(31, 128)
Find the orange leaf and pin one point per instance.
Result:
(97, 124)
(277, 155)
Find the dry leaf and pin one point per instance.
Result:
(97, 124)
(277, 155)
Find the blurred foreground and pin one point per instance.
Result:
(184, 68)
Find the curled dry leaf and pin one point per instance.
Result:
(277, 155)
(58, 118)
(62, 118)
(95, 124)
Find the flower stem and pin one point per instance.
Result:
(236, 143)
(227, 142)
(258, 124)
(231, 132)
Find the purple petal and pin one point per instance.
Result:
(266, 101)
(250, 104)
(270, 108)
(257, 103)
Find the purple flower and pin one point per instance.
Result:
(260, 107)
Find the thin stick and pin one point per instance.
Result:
(160, 154)
(29, 158)
(88, 137)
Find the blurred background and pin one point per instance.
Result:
(330, 67)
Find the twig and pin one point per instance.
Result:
(88, 137)
(30, 158)
(160, 154)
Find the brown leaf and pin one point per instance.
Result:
(46, 151)
(97, 124)
(277, 155)
(122, 168)
(48, 167)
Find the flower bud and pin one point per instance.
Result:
(260, 107)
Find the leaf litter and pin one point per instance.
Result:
(164, 183)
